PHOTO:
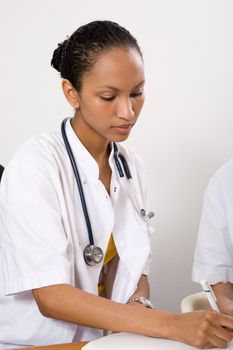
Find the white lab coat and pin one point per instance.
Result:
(43, 235)
(213, 258)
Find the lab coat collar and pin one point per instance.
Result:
(83, 158)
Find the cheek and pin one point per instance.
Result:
(91, 111)
(100, 107)
(98, 115)
(138, 104)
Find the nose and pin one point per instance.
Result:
(125, 109)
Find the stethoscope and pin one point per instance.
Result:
(93, 254)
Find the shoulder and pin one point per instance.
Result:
(225, 171)
(220, 185)
(223, 175)
(40, 144)
(38, 152)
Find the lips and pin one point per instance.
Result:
(123, 129)
(125, 126)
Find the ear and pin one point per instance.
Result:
(70, 93)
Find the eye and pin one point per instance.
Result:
(136, 94)
(109, 98)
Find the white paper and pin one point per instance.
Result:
(128, 341)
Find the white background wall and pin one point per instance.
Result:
(185, 130)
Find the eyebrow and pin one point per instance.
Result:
(116, 89)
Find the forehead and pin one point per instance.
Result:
(119, 68)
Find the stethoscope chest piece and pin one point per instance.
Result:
(93, 255)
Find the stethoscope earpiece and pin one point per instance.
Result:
(150, 215)
(146, 216)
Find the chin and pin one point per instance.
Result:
(119, 138)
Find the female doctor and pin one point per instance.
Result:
(75, 244)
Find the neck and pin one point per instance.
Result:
(97, 146)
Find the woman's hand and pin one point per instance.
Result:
(204, 329)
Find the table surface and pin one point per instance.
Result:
(66, 346)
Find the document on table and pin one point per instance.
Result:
(128, 341)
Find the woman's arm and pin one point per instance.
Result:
(143, 290)
(67, 303)
(224, 295)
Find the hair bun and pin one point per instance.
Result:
(58, 56)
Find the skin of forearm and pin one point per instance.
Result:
(67, 303)
(143, 289)
(224, 296)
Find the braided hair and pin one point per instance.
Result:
(77, 54)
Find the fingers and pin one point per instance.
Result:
(209, 346)
(210, 341)
(219, 336)
(216, 342)
(226, 321)
(223, 333)
(205, 329)
(211, 334)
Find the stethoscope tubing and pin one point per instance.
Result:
(93, 254)
(78, 181)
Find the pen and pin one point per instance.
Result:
(210, 295)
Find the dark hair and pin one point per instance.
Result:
(77, 54)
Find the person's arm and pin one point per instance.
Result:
(224, 295)
(143, 290)
(67, 303)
